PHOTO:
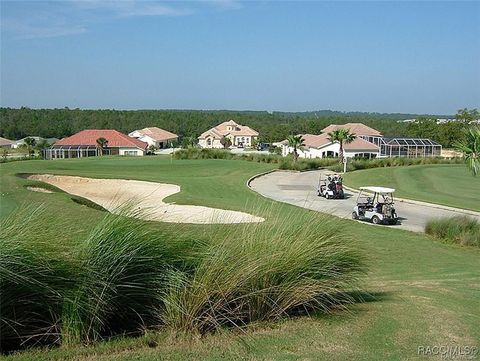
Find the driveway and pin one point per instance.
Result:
(300, 189)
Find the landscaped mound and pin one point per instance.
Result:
(462, 230)
(126, 278)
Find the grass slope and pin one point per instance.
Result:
(450, 185)
(427, 292)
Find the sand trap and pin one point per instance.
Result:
(145, 196)
(39, 189)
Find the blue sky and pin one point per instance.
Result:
(419, 57)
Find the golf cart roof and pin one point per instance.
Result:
(381, 190)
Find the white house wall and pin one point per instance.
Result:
(215, 143)
(131, 151)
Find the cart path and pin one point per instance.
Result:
(299, 189)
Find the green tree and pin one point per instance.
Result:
(151, 149)
(188, 142)
(466, 115)
(30, 144)
(470, 148)
(226, 142)
(296, 142)
(102, 143)
(342, 136)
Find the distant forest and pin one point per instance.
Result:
(275, 126)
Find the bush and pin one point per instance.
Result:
(460, 229)
(302, 164)
(264, 272)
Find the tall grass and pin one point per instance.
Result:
(32, 282)
(122, 273)
(126, 277)
(463, 230)
(264, 272)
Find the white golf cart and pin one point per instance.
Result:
(330, 186)
(376, 205)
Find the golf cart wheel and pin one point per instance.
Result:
(327, 196)
(375, 220)
(354, 215)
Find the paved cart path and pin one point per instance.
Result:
(300, 189)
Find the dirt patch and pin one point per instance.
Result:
(146, 197)
(39, 189)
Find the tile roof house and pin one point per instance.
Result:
(369, 143)
(356, 128)
(239, 135)
(84, 144)
(5, 143)
(153, 136)
(320, 146)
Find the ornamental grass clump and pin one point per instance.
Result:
(120, 282)
(463, 230)
(264, 272)
(33, 281)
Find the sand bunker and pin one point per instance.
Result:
(145, 196)
(39, 189)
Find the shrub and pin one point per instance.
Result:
(264, 272)
(460, 229)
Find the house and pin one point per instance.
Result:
(84, 144)
(240, 136)
(5, 143)
(369, 143)
(153, 136)
(320, 146)
(21, 142)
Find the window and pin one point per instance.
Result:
(209, 141)
(130, 152)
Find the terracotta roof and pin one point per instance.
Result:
(357, 128)
(314, 140)
(114, 137)
(360, 144)
(5, 141)
(321, 140)
(221, 130)
(157, 134)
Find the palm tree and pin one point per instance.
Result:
(102, 143)
(226, 142)
(342, 136)
(30, 143)
(296, 142)
(470, 148)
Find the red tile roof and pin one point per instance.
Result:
(5, 141)
(356, 128)
(115, 139)
(221, 130)
(155, 133)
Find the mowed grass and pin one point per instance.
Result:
(423, 292)
(450, 185)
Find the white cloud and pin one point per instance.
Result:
(41, 19)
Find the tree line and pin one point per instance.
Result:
(189, 124)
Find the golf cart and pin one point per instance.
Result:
(375, 204)
(330, 186)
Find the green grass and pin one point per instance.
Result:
(461, 229)
(426, 292)
(450, 185)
